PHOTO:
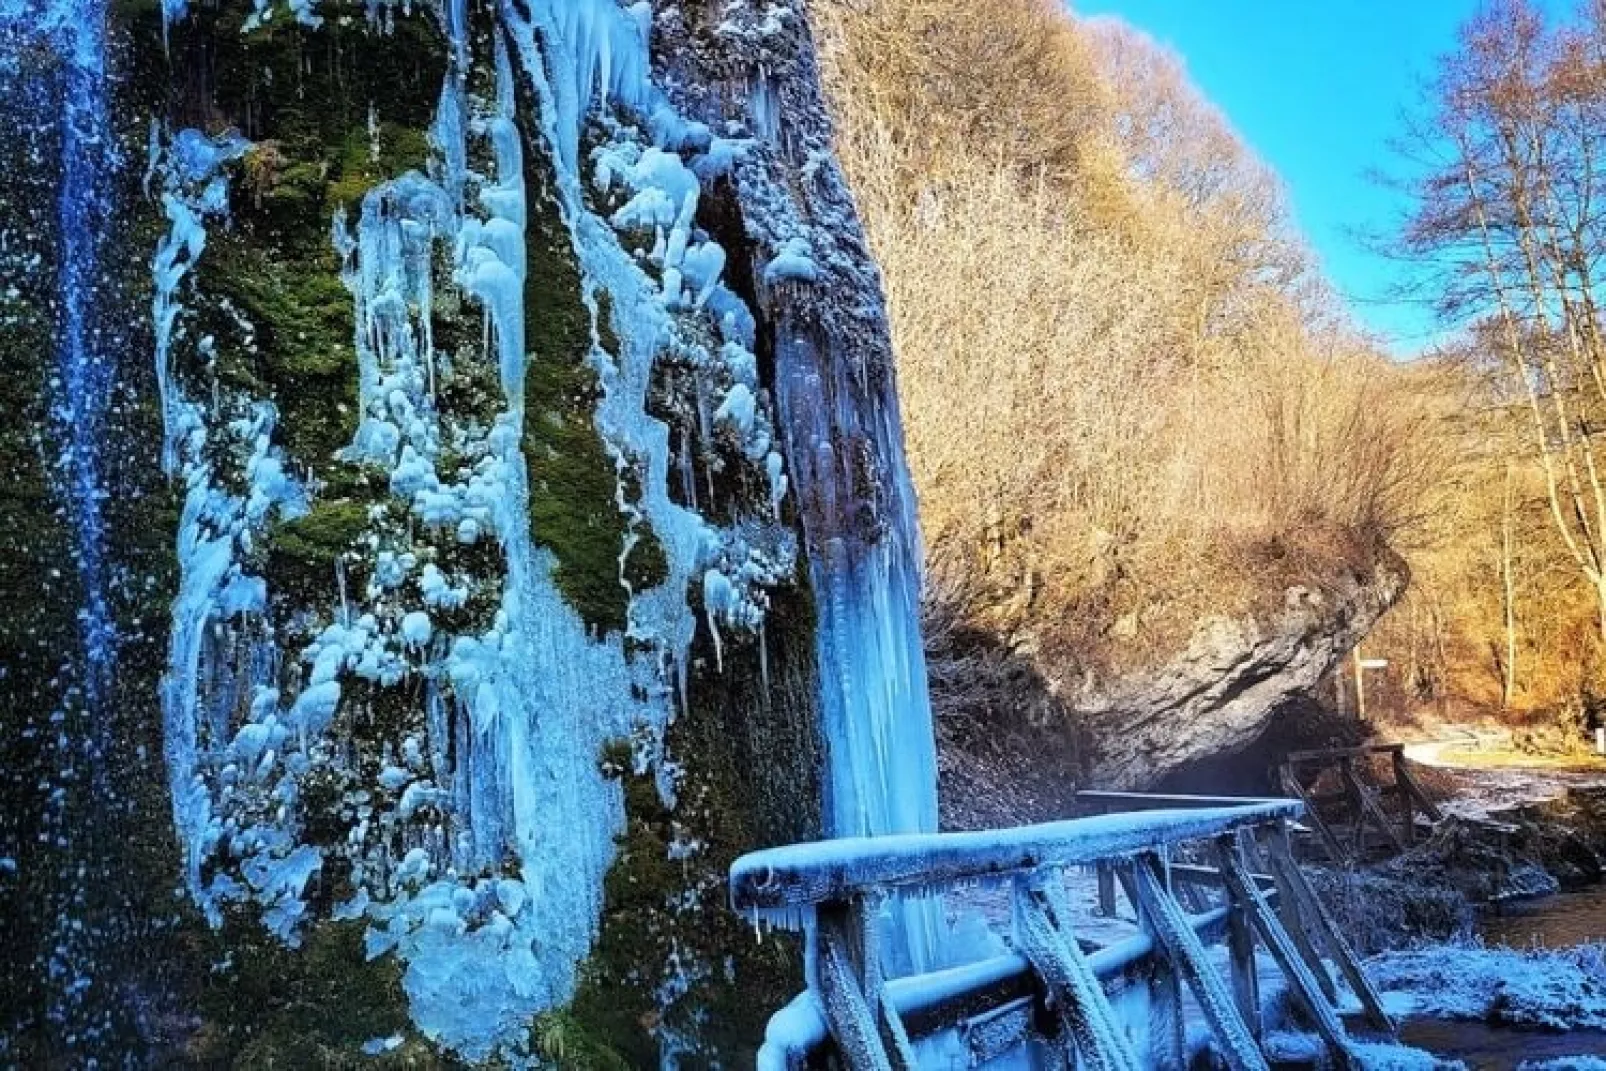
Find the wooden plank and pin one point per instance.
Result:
(1366, 799)
(1317, 917)
(1335, 850)
(1106, 802)
(1306, 990)
(1334, 754)
(1079, 1001)
(1233, 1037)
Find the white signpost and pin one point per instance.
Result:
(1361, 666)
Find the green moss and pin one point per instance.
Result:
(327, 530)
(302, 552)
(272, 1006)
(646, 566)
(301, 352)
(400, 148)
(562, 1038)
(750, 762)
(573, 485)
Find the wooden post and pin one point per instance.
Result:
(1306, 990)
(849, 1010)
(1106, 889)
(1241, 953)
(1367, 809)
(1167, 1029)
(1360, 684)
(1291, 883)
(1184, 951)
(1083, 1009)
(1407, 807)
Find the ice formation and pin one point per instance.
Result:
(477, 852)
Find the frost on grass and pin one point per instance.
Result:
(1553, 990)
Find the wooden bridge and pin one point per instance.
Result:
(1388, 810)
(1119, 1006)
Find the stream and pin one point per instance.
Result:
(1560, 921)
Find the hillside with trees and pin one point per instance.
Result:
(1504, 158)
(1132, 403)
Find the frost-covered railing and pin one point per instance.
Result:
(1052, 985)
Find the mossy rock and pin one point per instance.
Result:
(574, 509)
(316, 1006)
(751, 761)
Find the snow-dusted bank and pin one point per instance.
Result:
(1536, 989)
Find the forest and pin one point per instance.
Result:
(1131, 396)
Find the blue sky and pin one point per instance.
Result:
(1317, 88)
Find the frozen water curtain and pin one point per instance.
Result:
(470, 478)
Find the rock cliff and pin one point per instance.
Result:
(1017, 743)
(456, 490)
(1218, 695)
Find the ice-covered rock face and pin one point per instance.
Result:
(542, 537)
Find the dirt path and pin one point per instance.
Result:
(1492, 780)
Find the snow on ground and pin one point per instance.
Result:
(1482, 789)
(1554, 990)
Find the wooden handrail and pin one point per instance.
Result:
(1331, 754)
(836, 889)
(1150, 801)
(801, 875)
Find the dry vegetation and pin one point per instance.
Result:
(1127, 397)
(1507, 153)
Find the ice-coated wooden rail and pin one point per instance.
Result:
(1052, 986)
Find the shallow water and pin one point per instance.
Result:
(1492, 1048)
(1560, 921)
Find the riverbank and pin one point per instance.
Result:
(1483, 937)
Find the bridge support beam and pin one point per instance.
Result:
(1186, 953)
(1084, 1012)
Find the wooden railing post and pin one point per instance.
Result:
(1083, 1010)
(1241, 955)
(1168, 1038)
(1106, 873)
(1292, 885)
(851, 989)
(1307, 991)
(1186, 956)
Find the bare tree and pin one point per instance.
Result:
(1510, 209)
